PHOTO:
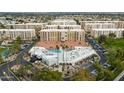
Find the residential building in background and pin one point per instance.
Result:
(98, 28)
(24, 34)
(25, 26)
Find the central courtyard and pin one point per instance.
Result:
(53, 44)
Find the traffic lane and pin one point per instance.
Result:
(4, 68)
(102, 57)
(97, 46)
(10, 75)
(2, 77)
(6, 78)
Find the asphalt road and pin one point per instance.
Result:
(4, 67)
(99, 50)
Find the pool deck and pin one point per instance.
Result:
(72, 56)
(52, 44)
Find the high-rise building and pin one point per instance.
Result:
(98, 28)
(24, 34)
(62, 30)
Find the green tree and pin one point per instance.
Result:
(18, 40)
(109, 75)
(1, 59)
(47, 76)
(83, 75)
(23, 71)
(37, 31)
(111, 56)
(17, 47)
(102, 39)
(112, 35)
(100, 71)
(57, 47)
(97, 66)
(2, 26)
(115, 58)
(120, 53)
(88, 33)
(100, 74)
(20, 72)
(120, 66)
(77, 21)
(66, 47)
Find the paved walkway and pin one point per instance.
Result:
(52, 44)
(120, 76)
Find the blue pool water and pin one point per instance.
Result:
(55, 51)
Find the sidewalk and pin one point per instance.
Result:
(119, 76)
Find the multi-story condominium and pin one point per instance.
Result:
(102, 24)
(98, 28)
(62, 30)
(25, 34)
(97, 32)
(25, 26)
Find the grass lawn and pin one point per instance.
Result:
(115, 43)
(2, 50)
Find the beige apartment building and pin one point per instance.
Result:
(12, 34)
(97, 32)
(98, 28)
(66, 29)
(62, 30)
(25, 26)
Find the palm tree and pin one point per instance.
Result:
(83, 75)
(102, 39)
(109, 75)
(18, 40)
(37, 31)
(57, 47)
(66, 47)
(112, 35)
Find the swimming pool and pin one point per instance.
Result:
(54, 51)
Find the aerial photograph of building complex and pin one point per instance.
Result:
(61, 46)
